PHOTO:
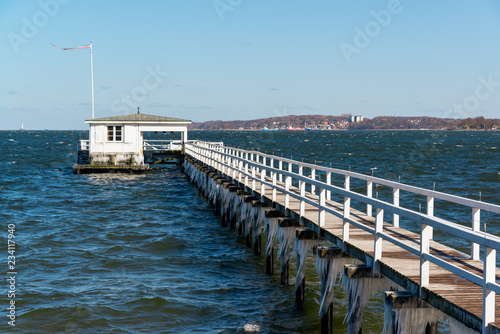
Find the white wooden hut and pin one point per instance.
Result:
(119, 141)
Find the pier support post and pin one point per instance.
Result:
(231, 218)
(226, 203)
(287, 227)
(218, 201)
(241, 223)
(248, 220)
(304, 241)
(422, 314)
(257, 226)
(256, 229)
(327, 254)
(272, 217)
(356, 277)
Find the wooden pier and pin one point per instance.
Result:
(462, 286)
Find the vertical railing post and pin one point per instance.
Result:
(425, 240)
(347, 210)
(262, 180)
(313, 177)
(476, 221)
(369, 194)
(321, 209)
(288, 182)
(302, 188)
(274, 187)
(379, 228)
(240, 169)
(430, 211)
(329, 182)
(246, 169)
(235, 166)
(395, 201)
(253, 177)
(281, 168)
(223, 160)
(490, 260)
(219, 160)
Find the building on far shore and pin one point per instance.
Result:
(355, 119)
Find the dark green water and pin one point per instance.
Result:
(144, 254)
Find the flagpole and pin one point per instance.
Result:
(92, 78)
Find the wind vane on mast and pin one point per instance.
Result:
(91, 67)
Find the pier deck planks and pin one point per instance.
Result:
(447, 292)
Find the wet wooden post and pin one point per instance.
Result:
(232, 218)
(218, 202)
(431, 328)
(300, 275)
(270, 241)
(257, 228)
(241, 224)
(405, 300)
(285, 256)
(248, 236)
(225, 213)
(256, 243)
(217, 179)
(327, 253)
(355, 320)
(208, 180)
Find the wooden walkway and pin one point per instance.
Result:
(446, 291)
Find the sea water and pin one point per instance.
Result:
(120, 253)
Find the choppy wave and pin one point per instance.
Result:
(144, 253)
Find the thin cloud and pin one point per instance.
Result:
(158, 105)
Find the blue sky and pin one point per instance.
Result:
(240, 59)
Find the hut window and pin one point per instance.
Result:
(118, 133)
(115, 133)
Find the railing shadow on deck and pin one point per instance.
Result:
(277, 174)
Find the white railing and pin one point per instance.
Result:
(83, 145)
(242, 165)
(158, 145)
(162, 145)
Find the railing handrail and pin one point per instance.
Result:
(393, 184)
(224, 158)
(83, 144)
(482, 238)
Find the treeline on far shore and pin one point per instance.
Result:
(345, 122)
(433, 123)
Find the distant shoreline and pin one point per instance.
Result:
(260, 130)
